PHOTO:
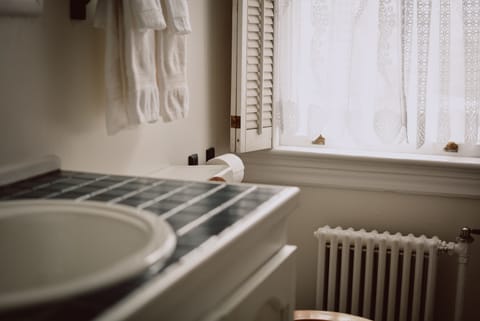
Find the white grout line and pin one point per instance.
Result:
(74, 187)
(37, 187)
(163, 196)
(190, 226)
(177, 209)
(135, 192)
(103, 190)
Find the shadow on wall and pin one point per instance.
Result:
(74, 65)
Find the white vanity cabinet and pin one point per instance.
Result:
(247, 273)
(268, 295)
(231, 260)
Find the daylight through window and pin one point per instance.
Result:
(383, 75)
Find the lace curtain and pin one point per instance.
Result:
(399, 75)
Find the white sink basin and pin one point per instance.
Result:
(55, 249)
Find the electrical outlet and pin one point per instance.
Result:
(209, 153)
(193, 160)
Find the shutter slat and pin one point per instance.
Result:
(251, 124)
(253, 36)
(252, 60)
(253, 19)
(268, 69)
(268, 123)
(253, 44)
(253, 69)
(268, 29)
(267, 116)
(269, 4)
(253, 77)
(253, 3)
(268, 52)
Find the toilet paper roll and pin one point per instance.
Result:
(233, 161)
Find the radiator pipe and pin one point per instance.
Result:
(462, 248)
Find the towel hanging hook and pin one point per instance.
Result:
(78, 9)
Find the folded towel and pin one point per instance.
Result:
(172, 72)
(172, 75)
(130, 71)
(145, 65)
(107, 17)
(148, 14)
(179, 16)
(140, 70)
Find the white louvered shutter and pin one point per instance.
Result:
(252, 75)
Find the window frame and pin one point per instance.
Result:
(441, 177)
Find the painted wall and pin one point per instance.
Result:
(52, 98)
(384, 211)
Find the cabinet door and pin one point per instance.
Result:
(268, 295)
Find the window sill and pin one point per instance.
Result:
(447, 176)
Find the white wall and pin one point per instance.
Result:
(52, 98)
(383, 211)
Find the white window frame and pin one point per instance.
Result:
(448, 176)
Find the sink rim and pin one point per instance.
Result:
(161, 244)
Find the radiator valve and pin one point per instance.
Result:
(466, 234)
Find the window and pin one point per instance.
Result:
(383, 75)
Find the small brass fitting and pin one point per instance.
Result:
(451, 147)
(320, 140)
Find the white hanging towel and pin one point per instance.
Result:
(179, 16)
(108, 17)
(171, 62)
(130, 71)
(142, 89)
(148, 14)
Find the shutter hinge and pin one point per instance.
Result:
(235, 121)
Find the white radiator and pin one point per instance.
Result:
(379, 276)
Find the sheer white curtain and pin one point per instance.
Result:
(395, 75)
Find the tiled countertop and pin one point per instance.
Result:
(197, 211)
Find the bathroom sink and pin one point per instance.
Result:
(50, 250)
